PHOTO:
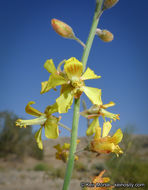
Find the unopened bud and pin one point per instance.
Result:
(104, 35)
(109, 4)
(62, 29)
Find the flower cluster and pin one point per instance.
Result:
(71, 79)
(104, 143)
(70, 76)
(63, 151)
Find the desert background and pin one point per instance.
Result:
(27, 41)
(23, 166)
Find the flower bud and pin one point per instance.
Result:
(109, 4)
(62, 29)
(104, 35)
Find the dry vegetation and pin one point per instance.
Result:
(24, 167)
(48, 173)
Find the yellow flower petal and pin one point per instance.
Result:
(64, 88)
(106, 179)
(89, 74)
(66, 146)
(38, 138)
(106, 128)
(110, 104)
(104, 147)
(76, 158)
(46, 85)
(110, 115)
(73, 68)
(117, 137)
(94, 94)
(32, 111)
(57, 80)
(43, 86)
(64, 156)
(51, 128)
(97, 133)
(101, 174)
(51, 109)
(54, 80)
(65, 101)
(58, 147)
(100, 179)
(50, 67)
(92, 127)
(58, 156)
(61, 154)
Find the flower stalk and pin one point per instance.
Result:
(73, 144)
(92, 33)
(73, 141)
(79, 41)
(64, 126)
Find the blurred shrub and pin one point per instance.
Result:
(128, 170)
(42, 167)
(80, 167)
(55, 173)
(14, 140)
(97, 167)
(58, 173)
(129, 167)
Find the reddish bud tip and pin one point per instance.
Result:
(62, 29)
(109, 4)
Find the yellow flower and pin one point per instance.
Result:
(100, 180)
(95, 112)
(106, 144)
(72, 81)
(63, 152)
(46, 120)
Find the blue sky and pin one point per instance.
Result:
(27, 41)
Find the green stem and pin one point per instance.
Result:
(64, 126)
(80, 150)
(92, 33)
(73, 141)
(73, 144)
